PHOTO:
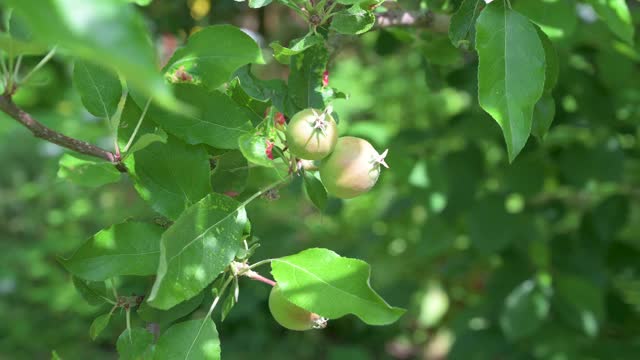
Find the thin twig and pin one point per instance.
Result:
(41, 131)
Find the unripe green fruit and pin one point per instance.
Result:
(291, 316)
(311, 134)
(352, 168)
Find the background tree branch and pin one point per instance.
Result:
(404, 18)
(41, 131)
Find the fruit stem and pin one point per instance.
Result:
(255, 276)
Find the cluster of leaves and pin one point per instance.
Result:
(208, 108)
(540, 255)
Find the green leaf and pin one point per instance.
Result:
(552, 66)
(129, 248)
(99, 324)
(17, 47)
(170, 176)
(158, 136)
(283, 54)
(255, 4)
(254, 148)
(558, 19)
(510, 73)
(579, 303)
(321, 281)
(163, 317)
(141, 2)
(525, 310)
(193, 340)
(229, 302)
(99, 88)
(93, 292)
(87, 171)
(230, 174)
(462, 28)
(543, 115)
(315, 190)
(196, 248)
(135, 344)
(212, 54)
(353, 21)
(616, 15)
(216, 120)
(265, 90)
(87, 29)
(305, 79)
(17, 39)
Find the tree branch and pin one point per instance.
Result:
(43, 132)
(404, 18)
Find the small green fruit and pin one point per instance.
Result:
(352, 168)
(291, 316)
(312, 134)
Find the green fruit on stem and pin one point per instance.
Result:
(291, 316)
(312, 134)
(352, 168)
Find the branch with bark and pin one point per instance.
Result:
(422, 19)
(41, 131)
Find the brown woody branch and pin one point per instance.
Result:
(40, 131)
(404, 18)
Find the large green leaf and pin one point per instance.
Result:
(212, 54)
(192, 340)
(305, 79)
(216, 119)
(130, 248)
(99, 88)
(462, 27)
(525, 309)
(510, 73)
(170, 176)
(135, 344)
(86, 171)
(106, 32)
(615, 13)
(196, 248)
(321, 281)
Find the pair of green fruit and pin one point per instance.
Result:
(350, 166)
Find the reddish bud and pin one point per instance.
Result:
(231, 193)
(279, 121)
(269, 150)
(325, 78)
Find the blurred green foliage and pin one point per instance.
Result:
(537, 259)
